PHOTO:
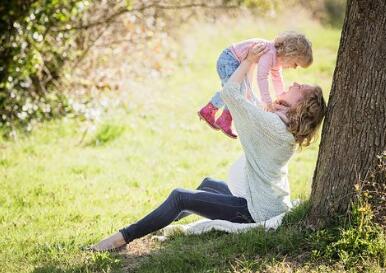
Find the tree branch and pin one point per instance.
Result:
(109, 19)
(84, 52)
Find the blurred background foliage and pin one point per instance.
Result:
(128, 78)
(74, 57)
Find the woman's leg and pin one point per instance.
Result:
(208, 185)
(207, 204)
(212, 199)
(214, 185)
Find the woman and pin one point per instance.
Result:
(258, 187)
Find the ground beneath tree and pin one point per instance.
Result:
(137, 251)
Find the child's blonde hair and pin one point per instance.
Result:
(294, 45)
(305, 118)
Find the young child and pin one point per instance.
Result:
(288, 50)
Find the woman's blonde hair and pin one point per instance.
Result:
(292, 44)
(305, 118)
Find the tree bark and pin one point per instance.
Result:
(354, 128)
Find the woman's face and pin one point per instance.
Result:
(295, 93)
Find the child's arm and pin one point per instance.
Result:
(277, 80)
(263, 69)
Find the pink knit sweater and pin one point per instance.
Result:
(267, 64)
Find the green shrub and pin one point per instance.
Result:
(334, 12)
(106, 133)
(39, 40)
(329, 12)
(34, 46)
(354, 242)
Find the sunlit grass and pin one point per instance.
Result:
(59, 193)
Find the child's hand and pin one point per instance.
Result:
(255, 52)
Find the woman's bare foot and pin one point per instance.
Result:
(113, 242)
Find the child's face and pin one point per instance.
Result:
(288, 62)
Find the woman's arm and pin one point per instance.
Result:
(253, 56)
(251, 121)
(236, 79)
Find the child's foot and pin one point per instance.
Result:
(112, 243)
(224, 122)
(208, 113)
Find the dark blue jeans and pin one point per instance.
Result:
(212, 200)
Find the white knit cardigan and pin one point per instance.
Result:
(268, 146)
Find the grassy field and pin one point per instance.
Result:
(58, 196)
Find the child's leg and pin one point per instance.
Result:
(226, 65)
(225, 71)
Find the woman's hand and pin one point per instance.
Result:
(255, 52)
(269, 107)
(279, 106)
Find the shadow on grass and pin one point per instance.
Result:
(54, 269)
(290, 248)
(95, 262)
(217, 251)
(61, 260)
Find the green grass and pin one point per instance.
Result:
(60, 192)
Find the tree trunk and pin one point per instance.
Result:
(355, 125)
